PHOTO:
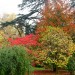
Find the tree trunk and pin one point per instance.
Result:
(54, 67)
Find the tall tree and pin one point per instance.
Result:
(35, 7)
(21, 21)
(34, 4)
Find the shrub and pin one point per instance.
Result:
(14, 61)
(28, 40)
(71, 64)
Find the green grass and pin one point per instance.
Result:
(36, 68)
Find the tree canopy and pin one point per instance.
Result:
(72, 3)
(35, 7)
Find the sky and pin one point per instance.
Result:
(9, 6)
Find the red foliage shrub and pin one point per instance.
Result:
(28, 40)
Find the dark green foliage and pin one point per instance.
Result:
(14, 61)
(71, 63)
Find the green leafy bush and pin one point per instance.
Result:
(71, 64)
(14, 61)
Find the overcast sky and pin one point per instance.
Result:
(9, 6)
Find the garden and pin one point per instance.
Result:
(49, 50)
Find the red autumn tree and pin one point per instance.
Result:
(70, 29)
(57, 15)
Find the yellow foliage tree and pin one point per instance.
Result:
(58, 46)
